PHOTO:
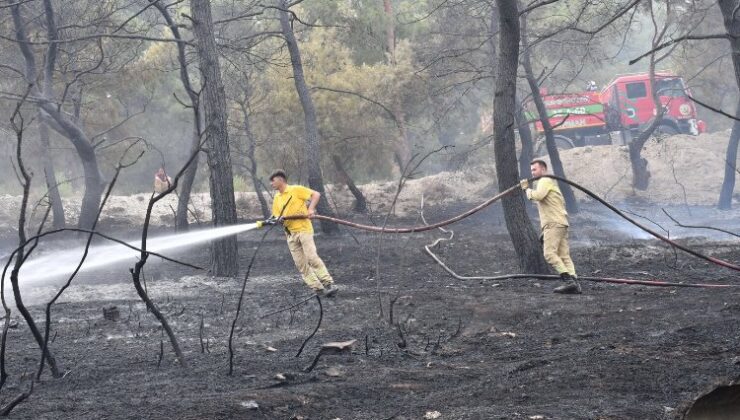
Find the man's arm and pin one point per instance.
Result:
(315, 197)
(538, 194)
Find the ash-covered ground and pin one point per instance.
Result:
(464, 349)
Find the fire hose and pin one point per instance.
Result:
(512, 190)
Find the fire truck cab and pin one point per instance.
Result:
(628, 104)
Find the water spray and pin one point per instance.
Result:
(62, 263)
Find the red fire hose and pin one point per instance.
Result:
(513, 189)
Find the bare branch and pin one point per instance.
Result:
(688, 37)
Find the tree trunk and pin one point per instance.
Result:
(732, 25)
(313, 154)
(224, 253)
(402, 153)
(640, 172)
(186, 184)
(94, 187)
(266, 211)
(66, 127)
(728, 184)
(94, 183)
(251, 146)
(52, 185)
(360, 201)
(552, 150)
(525, 135)
(522, 234)
(390, 31)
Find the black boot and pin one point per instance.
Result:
(571, 286)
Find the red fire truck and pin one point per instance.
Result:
(622, 109)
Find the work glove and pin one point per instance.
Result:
(524, 184)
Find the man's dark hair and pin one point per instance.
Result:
(280, 173)
(539, 162)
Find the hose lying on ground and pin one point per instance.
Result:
(654, 283)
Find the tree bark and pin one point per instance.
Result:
(525, 135)
(52, 185)
(313, 154)
(552, 150)
(360, 201)
(224, 253)
(732, 25)
(523, 235)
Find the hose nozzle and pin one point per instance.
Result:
(269, 222)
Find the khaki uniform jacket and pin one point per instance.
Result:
(550, 202)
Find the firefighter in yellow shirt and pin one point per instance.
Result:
(290, 200)
(554, 223)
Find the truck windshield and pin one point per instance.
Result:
(670, 87)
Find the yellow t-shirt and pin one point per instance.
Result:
(298, 195)
(550, 202)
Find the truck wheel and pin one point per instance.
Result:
(665, 130)
(561, 142)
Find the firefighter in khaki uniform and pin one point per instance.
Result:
(554, 223)
(290, 200)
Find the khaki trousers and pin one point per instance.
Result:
(313, 270)
(556, 249)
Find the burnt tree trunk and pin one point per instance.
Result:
(94, 183)
(640, 172)
(55, 199)
(732, 25)
(224, 255)
(188, 178)
(313, 154)
(360, 201)
(59, 122)
(525, 136)
(552, 150)
(52, 185)
(728, 183)
(251, 146)
(522, 234)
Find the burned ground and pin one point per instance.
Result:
(467, 349)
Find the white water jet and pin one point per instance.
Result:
(62, 263)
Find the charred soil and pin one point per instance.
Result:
(465, 349)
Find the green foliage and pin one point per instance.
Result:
(441, 82)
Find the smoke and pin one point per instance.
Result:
(599, 221)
